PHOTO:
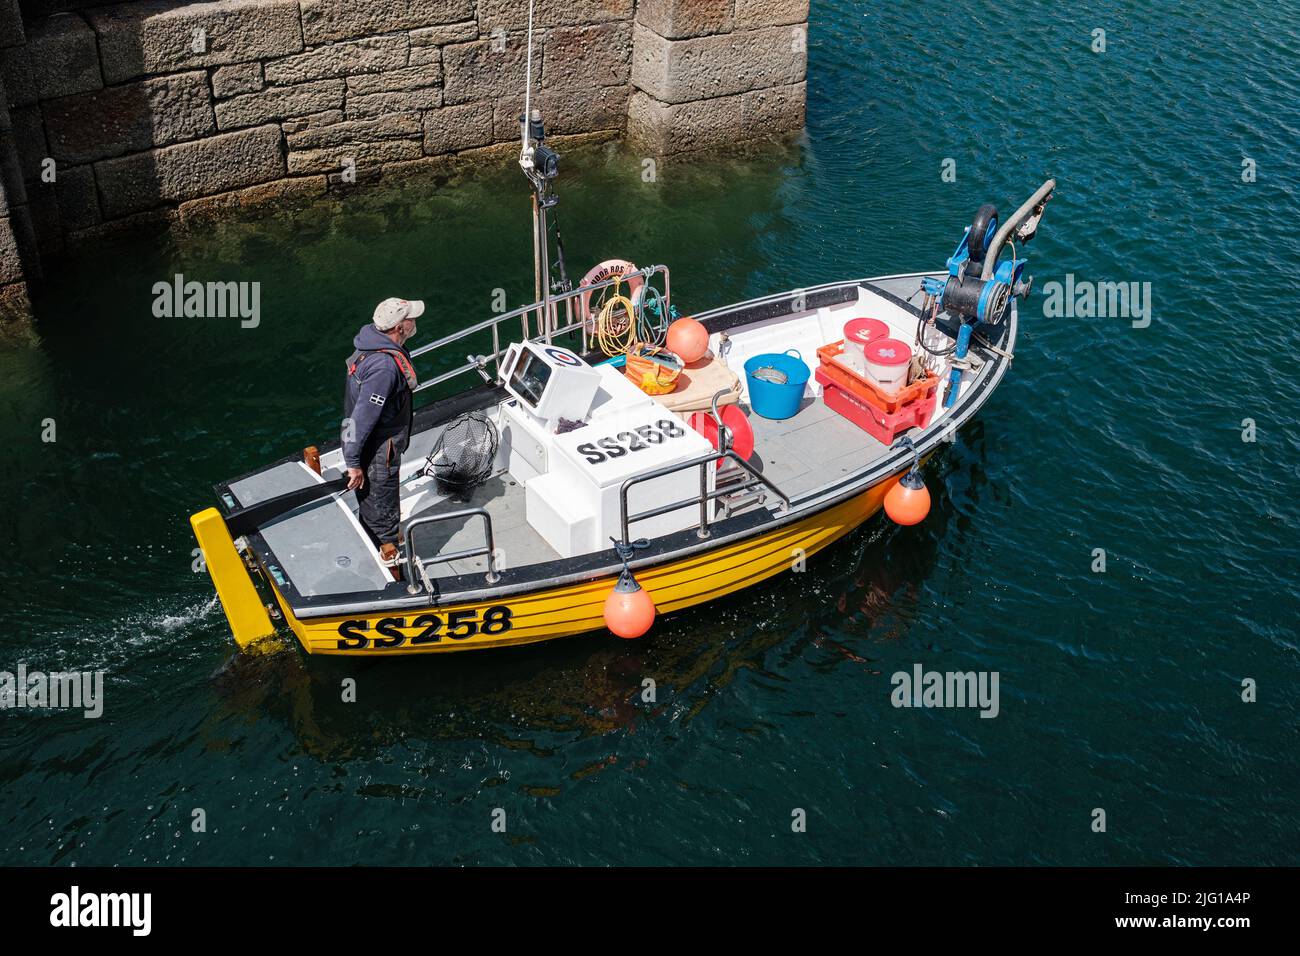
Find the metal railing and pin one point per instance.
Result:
(416, 568)
(547, 313)
(705, 496)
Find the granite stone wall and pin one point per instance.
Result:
(116, 114)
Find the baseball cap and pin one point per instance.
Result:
(391, 311)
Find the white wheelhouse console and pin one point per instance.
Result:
(613, 431)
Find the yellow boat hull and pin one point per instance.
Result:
(577, 608)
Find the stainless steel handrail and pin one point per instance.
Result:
(414, 564)
(480, 361)
(705, 496)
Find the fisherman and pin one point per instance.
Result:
(377, 414)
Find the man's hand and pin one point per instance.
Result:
(356, 478)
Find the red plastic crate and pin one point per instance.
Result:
(883, 426)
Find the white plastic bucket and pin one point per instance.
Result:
(887, 363)
(858, 333)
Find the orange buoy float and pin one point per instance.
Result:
(629, 608)
(908, 502)
(688, 339)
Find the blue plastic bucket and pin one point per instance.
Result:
(770, 399)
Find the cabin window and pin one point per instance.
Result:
(530, 377)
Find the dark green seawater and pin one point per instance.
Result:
(1119, 690)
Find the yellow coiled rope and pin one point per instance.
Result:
(616, 335)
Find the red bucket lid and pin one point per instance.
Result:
(888, 352)
(865, 330)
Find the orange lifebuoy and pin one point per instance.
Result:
(734, 419)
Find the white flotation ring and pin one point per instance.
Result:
(608, 270)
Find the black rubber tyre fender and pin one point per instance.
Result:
(982, 231)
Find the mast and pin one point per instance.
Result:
(541, 165)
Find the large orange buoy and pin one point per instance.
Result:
(629, 608)
(908, 502)
(688, 339)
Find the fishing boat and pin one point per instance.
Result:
(619, 461)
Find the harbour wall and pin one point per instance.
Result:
(119, 115)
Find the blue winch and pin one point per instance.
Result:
(979, 288)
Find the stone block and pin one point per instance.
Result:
(453, 128)
(47, 232)
(15, 309)
(358, 177)
(424, 55)
(29, 141)
(396, 126)
(16, 77)
(481, 70)
(63, 55)
(780, 109)
(11, 24)
(279, 192)
(78, 198)
(681, 19)
(512, 15)
(312, 121)
(280, 103)
(368, 55)
(11, 264)
(428, 37)
(127, 118)
(588, 56)
(12, 187)
(566, 111)
(325, 20)
(407, 78)
(228, 81)
(217, 164)
(159, 36)
(770, 13)
(363, 155)
(664, 128)
(680, 71)
(398, 101)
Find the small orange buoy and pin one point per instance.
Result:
(908, 502)
(629, 608)
(688, 339)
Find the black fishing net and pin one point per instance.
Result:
(464, 455)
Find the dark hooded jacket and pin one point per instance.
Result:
(376, 400)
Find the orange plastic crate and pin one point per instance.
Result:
(865, 389)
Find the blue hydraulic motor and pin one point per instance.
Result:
(979, 288)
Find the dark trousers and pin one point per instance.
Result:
(380, 509)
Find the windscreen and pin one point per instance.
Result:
(529, 378)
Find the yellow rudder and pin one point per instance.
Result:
(248, 619)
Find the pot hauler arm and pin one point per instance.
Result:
(371, 385)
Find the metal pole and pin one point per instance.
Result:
(537, 264)
(544, 278)
(1040, 196)
(704, 501)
